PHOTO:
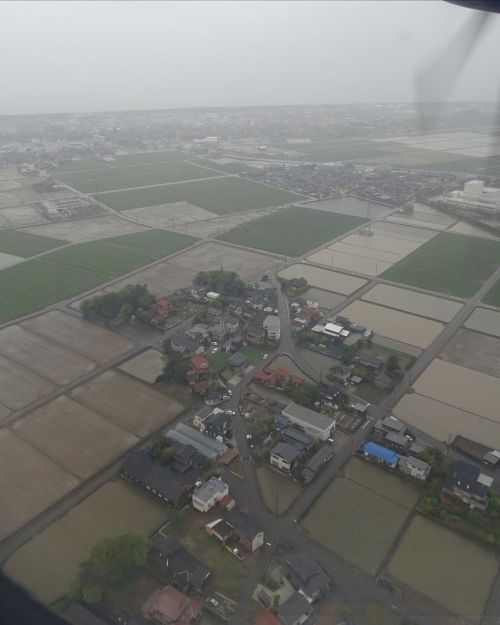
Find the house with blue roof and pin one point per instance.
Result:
(376, 452)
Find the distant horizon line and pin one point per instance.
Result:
(244, 107)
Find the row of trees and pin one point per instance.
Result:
(131, 301)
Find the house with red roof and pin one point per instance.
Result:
(169, 606)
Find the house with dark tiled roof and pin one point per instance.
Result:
(186, 572)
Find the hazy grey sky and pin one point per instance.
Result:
(88, 56)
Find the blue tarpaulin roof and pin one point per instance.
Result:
(387, 455)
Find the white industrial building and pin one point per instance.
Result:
(476, 196)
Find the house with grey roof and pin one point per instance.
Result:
(317, 425)
(285, 456)
(305, 574)
(296, 610)
(315, 462)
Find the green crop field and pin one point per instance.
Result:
(449, 263)
(32, 285)
(486, 166)
(221, 195)
(143, 175)
(84, 163)
(293, 231)
(166, 156)
(25, 244)
(493, 295)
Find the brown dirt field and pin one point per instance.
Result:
(79, 440)
(90, 229)
(20, 387)
(278, 491)
(474, 350)
(29, 482)
(162, 279)
(460, 387)
(248, 265)
(47, 564)
(83, 337)
(146, 367)
(325, 279)
(413, 302)
(48, 359)
(394, 324)
(382, 483)
(449, 569)
(484, 320)
(130, 404)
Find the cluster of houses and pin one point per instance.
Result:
(304, 314)
(465, 482)
(250, 318)
(278, 378)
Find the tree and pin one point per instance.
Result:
(305, 394)
(392, 363)
(112, 561)
(166, 454)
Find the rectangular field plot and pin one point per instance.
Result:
(87, 229)
(292, 232)
(146, 367)
(29, 482)
(394, 324)
(77, 439)
(425, 217)
(463, 227)
(350, 206)
(138, 158)
(450, 263)
(451, 570)
(340, 151)
(325, 299)
(81, 165)
(130, 404)
(170, 215)
(475, 351)
(371, 255)
(47, 565)
(162, 279)
(413, 302)
(25, 244)
(47, 359)
(441, 420)
(484, 320)
(382, 483)
(117, 255)
(355, 522)
(493, 296)
(323, 278)
(6, 260)
(19, 386)
(460, 387)
(83, 337)
(130, 176)
(34, 284)
(220, 195)
(278, 491)
(248, 265)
